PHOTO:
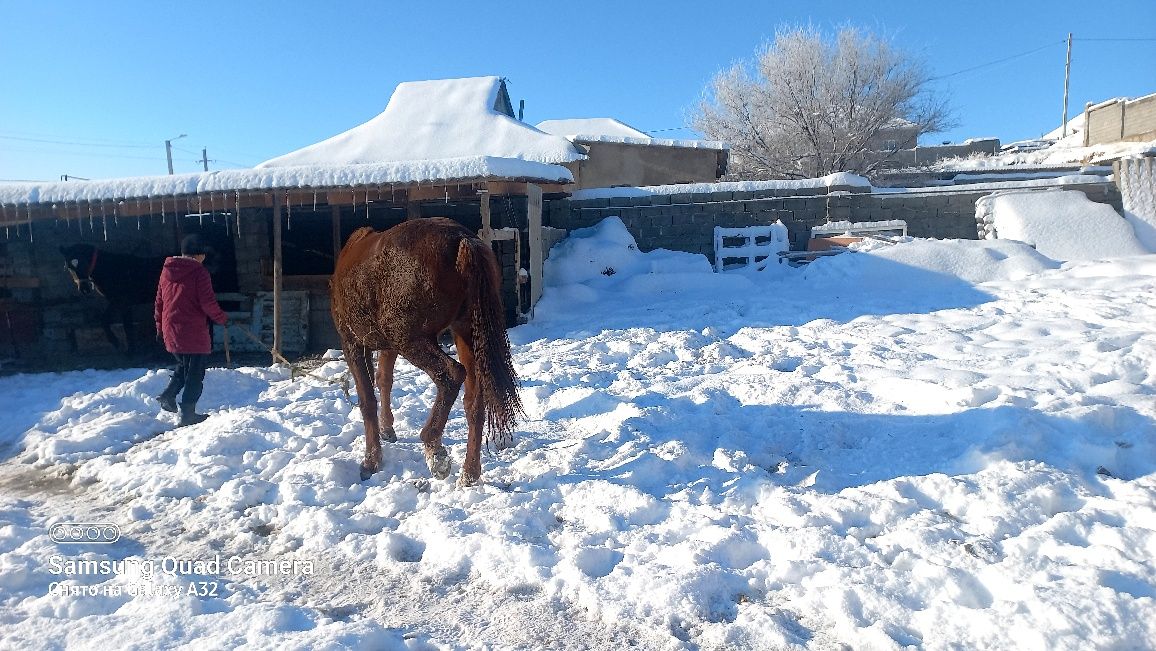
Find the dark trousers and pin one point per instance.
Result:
(189, 375)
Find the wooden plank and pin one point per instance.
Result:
(537, 255)
(276, 276)
(487, 232)
(498, 188)
(20, 282)
(335, 213)
(516, 189)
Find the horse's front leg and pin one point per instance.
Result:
(361, 367)
(386, 360)
(447, 376)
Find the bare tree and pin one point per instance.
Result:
(807, 107)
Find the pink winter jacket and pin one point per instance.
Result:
(185, 302)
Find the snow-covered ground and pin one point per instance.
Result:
(938, 444)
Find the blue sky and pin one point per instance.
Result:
(93, 89)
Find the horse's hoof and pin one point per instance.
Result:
(388, 435)
(367, 472)
(439, 463)
(467, 481)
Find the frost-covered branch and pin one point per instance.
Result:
(807, 106)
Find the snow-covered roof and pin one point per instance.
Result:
(900, 123)
(301, 176)
(432, 120)
(611, 130)
(591, 127)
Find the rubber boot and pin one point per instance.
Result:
(168, 401)
(189, 416)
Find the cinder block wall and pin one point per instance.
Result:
(685, 222)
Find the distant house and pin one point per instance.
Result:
(620, 155)
(896, 135)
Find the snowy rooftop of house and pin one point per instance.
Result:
(444, 170)
(591, 127)
(431, 120)
(611, 130)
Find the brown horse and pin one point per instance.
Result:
(395, 291)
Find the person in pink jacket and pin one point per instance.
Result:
(184, 306)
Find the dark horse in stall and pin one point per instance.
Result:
(395, 291)
(123, 280)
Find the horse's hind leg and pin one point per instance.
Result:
(386, 360)
(447, 376)
(475, 407)
(361, 367)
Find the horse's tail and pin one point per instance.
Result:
(497, 381)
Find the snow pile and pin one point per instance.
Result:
(431, 120)
(920, 264)
(1137, 180)
(1061, 224)
(606, 257)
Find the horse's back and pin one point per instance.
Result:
(405, 276)
(428, 237)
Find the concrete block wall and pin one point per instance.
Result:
(1116, 120)
(685, 222)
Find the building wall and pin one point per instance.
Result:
(685, 222)
(1128, 120)
(614, 164)
(927, 155)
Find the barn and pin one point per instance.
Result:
(448, 148)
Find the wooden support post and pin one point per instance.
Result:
(277, 197)
(336, 212)
(487, 231)
(537, 254)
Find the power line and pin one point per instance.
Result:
(1042, 47)
(57, 136)
(998, 61)
(74, 143)
(92, 154)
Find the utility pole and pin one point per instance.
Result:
(205, 157)
(169, 151)
(1067, 74)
